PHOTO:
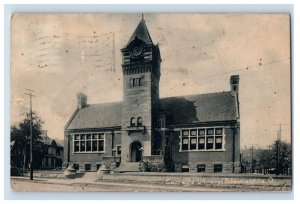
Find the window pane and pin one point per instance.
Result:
(194, 140)
(101, 136)
(119, 150)
(101, 145)
(87, 167)
(94, 146)
(77, 137)
(88, 146)
(95, 136)
(193, 132)
(201, 168)
(218, 168)
(88, 136)
(132, 122)
(185, 132)
(218, 139)
(82, 146)
(82, 137)
(201, 132)
(76, 148)
(218, 142)
(185, 143)
(210, 131)
(139, 121)
(193, 144)
(210, 143)
(219, 131)
(201, 140)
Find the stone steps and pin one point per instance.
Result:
(128, 167)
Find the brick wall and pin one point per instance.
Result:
(208, 158)
(93, 159)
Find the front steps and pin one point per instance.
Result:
(128, 167)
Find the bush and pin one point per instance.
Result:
(152, 166)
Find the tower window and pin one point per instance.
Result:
(139, 121)
(132, 122)
(135, 82)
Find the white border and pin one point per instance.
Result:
(158, 8)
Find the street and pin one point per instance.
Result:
(64, 185)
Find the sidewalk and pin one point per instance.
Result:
(125, 182)
(117, 187)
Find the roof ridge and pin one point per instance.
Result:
(196, 94)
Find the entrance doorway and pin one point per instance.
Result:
(136, 153)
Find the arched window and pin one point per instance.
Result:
(139, 121)
(132, 122)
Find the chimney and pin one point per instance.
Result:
(81, 100)
(234, 84)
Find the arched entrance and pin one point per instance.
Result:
(136, 152)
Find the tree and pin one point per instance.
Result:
(281, 153)
(284, 157)
(20, 135)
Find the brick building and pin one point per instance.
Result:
(196, 133)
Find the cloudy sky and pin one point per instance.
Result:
(59, 55)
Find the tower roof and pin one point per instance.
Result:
(141, 32)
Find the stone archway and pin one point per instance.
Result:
(135, 150)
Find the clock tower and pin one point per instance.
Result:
(141, 75)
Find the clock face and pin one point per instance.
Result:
(137, 50)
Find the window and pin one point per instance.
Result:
(201, 168)
(139, 122)
(202, 139)
(217, 168)
(185, 168)
(132, 122)
(76, 166)
(119, 150)
(135, 82)
(89, 142)
(87, 167)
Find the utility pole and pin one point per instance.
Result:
(31, 136)
(252, 167)
(278, 141)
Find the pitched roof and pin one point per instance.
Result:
(48, 141)
(98, 116)
(141, 32)
(210, 107)
(178, 110)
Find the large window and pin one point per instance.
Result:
(92, 142)
(202, 139)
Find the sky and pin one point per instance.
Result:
(59, 55)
